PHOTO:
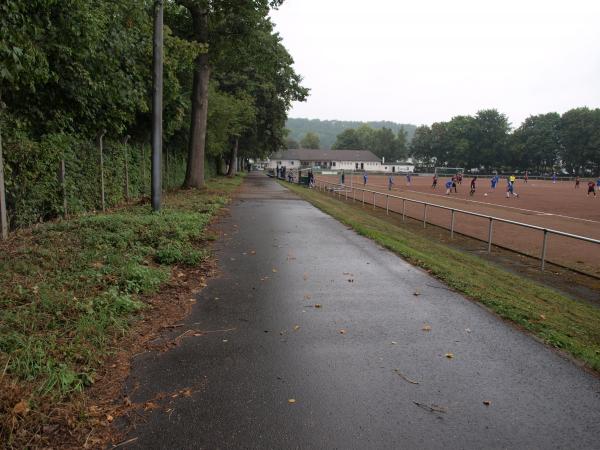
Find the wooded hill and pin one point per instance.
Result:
(327, 130)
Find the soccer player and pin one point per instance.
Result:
(435, 180)
(390, 182)
(408, 179)
(343, 177)
(591, 188)
(449, 185)
(576, 182)
(554, 178)
(526, 176)
(365, 179)
(454, 184)
(512, 179)
(494, 181)
(473, 186)
(510, 190)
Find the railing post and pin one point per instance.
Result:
(353, 194)
(373, 199)
(452, 225)
(363, 199)
(544, 249)
(490, 231)
(387, 204)
(424, 215)
(346, 192)
(403, 210)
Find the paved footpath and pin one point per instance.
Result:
(352, 364)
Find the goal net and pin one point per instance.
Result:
(443, 171)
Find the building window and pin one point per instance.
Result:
(292, 163)
(334, 164)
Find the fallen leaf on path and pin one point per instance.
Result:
(296, 327)
(21, 408)
(394, 342)
(274, 270)
(342, 331)
(487, 402)
(149, 406)
(468, 330)
(449, 355)
(186, 392)
(126, 401)
(426, 328)
(253, 252)
(109, 418)
(305, 276)
(291, 400)
(404, 377)
(543, 317)
(317, 305)
(307, 296)
(416, 293)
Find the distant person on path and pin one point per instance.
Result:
(449, 185)
(591, 188)
(435, 180)
(554, 178)
(408, 179)
(472, 191)
(577, 182)
(343, 177)
(390, 182)
(311, 179)
(365, 179)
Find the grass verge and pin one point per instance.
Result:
(556, 319)
(70, 290)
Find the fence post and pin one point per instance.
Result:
(101, 149)
(544, 249)
(126, 168)
(425, 215)
(403, 209)
(3, 215)
(452, 226)
(363, 199)
(373, 199)
(490, 231)
(63, 186)
(387, 204)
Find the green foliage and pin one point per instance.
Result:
(382, 141)
(310, 140)
(68, 289)
(330, 130)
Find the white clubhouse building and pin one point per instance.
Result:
(348, 160)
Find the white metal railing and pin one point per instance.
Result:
(338, 188)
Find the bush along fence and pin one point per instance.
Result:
(63, 174)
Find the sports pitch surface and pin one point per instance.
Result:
(556, 206)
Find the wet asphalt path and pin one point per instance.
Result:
(348, 394)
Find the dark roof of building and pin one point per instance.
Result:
(306, 154)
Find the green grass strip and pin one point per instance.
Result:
(70, 288)
(555, 318)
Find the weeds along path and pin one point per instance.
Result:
(71, 290)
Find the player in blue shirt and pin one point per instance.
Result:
(365, 178)
(449, 184)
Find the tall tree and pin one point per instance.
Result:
(535, 145)
(310, 140)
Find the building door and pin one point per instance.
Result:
(393, 169)
(362, 166)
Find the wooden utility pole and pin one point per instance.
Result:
(157, 104)
(3, 214)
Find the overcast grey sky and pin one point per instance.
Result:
(424, 61)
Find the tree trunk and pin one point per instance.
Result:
(126, 168)
(233, 160)
(194, 176)
(101, 151)
(63, 186)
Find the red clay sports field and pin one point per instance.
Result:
(558, 206)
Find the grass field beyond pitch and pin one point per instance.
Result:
(558, 320)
